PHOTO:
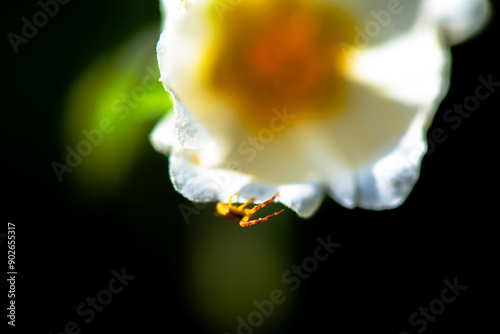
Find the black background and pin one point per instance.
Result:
(389, 264)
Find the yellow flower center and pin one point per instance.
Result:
(276, 53)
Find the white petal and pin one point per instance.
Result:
(303, 198)
(459, 19)
(179, 127)
(378, 20)
(369, 154)
(389, 121)
(412, 68)
(180, 54)
(388, 182)
(171, 9)
(164, 136)
(181, 45)
(199, 183)
(190, 133)
(204, 184)
(368, 127)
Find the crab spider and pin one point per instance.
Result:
(244, 214)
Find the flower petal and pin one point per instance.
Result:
(170, 9)
(190, 133)
(379, 20)
(369, 128)
(399, 68)
(164, 136)
(179, 127)
(403, 90)
(303, 198)
(199, 183)
(386, 183)
(459, 19)
(368, 154)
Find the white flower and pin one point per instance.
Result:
(305, 97)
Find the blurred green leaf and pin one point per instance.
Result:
(110, 110)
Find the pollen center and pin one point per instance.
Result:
(279, 53)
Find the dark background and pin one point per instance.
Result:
(388, 265)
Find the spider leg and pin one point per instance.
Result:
(246, 203)
(244, 223)
(231, 200)
(260, 206)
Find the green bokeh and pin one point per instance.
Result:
(110, 110)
